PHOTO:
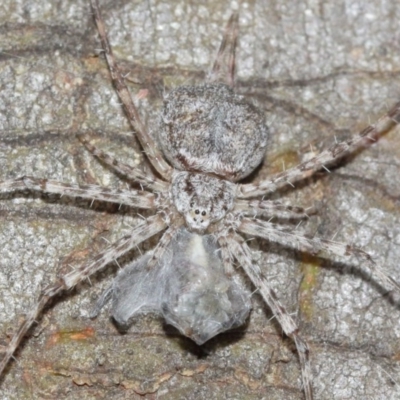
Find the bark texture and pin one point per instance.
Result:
(320, 71)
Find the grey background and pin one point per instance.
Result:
(319, 70)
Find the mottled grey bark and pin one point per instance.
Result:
(320, 71)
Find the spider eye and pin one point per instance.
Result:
(203, 213)
(197, 212)
(192, 204)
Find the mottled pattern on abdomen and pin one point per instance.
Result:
(211, 129)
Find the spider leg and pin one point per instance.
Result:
(242, 253)
(271, 208)
(223, 69)
(325, 158)
(162, 245)
(143, 231)
(132, 173)
(148, 144)
(226, 256)
(133, 198)
(315, 246)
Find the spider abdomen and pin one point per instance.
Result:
(210, 129)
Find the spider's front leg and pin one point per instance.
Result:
(140, 233)
(271, 209)
(322, 160)
(315, 246)
(239, 250)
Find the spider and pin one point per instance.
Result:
(209, 140)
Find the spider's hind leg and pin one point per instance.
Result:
(133, 198)
(324, 159)
(223, 69)
(147, 142)
(132, 173)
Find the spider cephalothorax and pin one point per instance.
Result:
(202, 199)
